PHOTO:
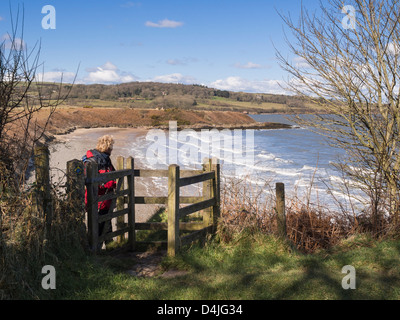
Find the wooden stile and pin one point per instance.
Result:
(125, 201)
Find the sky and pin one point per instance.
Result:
(228, 45)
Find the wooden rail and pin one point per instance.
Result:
(123, 201)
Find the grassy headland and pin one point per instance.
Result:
(67, 119)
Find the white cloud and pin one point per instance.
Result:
(164, 24)
(393, 48)
(249, 65)
(109, 66)
(181, 62)
(255, 86)
(300, 62)
(56, 76)
(131, 4)
(176, 62)
(108, 73)
(14, 44)
(174, 78)
(1, 18)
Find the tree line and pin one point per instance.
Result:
(154, 90)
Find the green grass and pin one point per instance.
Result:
(252, 267)
(214, 103)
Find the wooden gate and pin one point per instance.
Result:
(123, 201)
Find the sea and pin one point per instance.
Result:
(297, 157)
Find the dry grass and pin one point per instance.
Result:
(245, 207)
(27, 243)
(311, 229)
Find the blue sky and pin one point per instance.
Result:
(218, 43)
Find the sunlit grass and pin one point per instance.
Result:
(253, 267)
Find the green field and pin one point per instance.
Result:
(216, 104)
(163, 95)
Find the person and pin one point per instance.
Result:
(101, 155)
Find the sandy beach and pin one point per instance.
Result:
(76, 130)
(75, 144)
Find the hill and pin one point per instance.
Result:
(152, 95)
(67, 119)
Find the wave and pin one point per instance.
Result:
(271, 156)
(306, 167)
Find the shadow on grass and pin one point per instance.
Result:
(241, 272)
(254, 267)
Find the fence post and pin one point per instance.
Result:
(120, 200)
(207, 193)
(173, 209)
(76, 185)
(280, 209)
(92, 205)
(216, 185)
(131, 204)
(43, 198)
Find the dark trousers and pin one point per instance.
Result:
(104, 227)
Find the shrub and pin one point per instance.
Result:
(245, 207)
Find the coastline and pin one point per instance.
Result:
(73, 131)
(74, 145)
(67, 120)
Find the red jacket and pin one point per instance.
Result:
(104, 165)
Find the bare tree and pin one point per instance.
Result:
(21, 98)
(346, 58)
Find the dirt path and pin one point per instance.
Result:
(147, 264)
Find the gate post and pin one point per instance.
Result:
(92, 205)
(173, 210)
(207, 193)
(216, 186)
(131, 204)
(280, 209)
(76, 185)
(121, 200)
(43, 196)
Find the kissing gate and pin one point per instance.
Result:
(124, 200)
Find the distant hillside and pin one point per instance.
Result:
(152, 95)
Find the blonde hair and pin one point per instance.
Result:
(105, 143)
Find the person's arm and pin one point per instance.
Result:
(110, 184)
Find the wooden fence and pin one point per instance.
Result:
(123, 201)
